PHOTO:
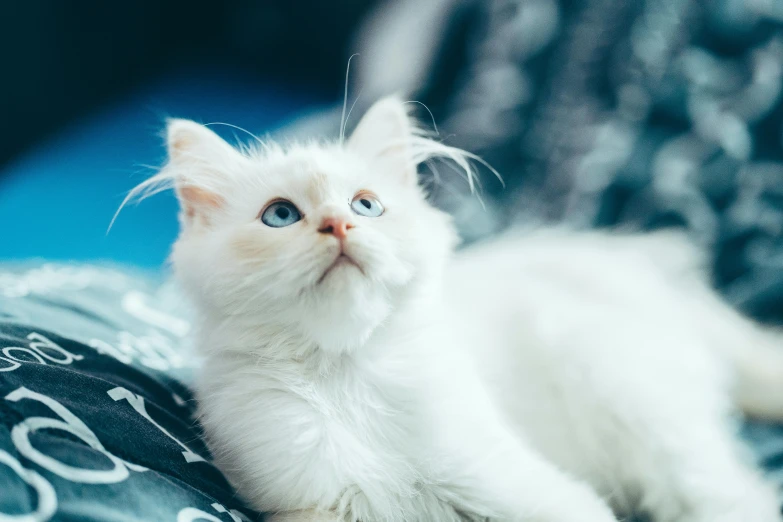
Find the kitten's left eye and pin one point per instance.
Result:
(367, 205)
(279, 214)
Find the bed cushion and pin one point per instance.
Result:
(96, 420)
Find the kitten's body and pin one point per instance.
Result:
(536, 378)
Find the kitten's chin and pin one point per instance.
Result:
(343, 318)
(341, 268)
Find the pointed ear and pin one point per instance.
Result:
(385, 134)
(199, 159)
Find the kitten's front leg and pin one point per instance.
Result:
(505, 480)
(700, 475)
(487, 470)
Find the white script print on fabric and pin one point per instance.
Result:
(70, 423)
(153, 350)
(192, 514)
(41, 349)
(235, 515)
(137, 402)
(47, 499)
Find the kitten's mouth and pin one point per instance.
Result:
(342, 259)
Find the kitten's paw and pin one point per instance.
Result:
(309, 515)
(757, 504)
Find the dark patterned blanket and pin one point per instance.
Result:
(96, 423)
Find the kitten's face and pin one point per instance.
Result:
(325, 239)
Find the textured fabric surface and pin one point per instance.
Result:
(95, 421)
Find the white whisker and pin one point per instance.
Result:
(345, 99)
(160, 182)
(345, 123)
(237, 127)
(432, 117)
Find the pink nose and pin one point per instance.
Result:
(336, 226)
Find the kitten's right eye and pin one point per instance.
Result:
(280, 213)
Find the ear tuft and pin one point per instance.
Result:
(385, 133)
(198, 162)
(180, 135)
(386, 124)
(186, 138)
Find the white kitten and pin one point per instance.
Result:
(354, 371)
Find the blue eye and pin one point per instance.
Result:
(280, 214)
(367, 205)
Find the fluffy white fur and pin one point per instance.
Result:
(542, 377)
